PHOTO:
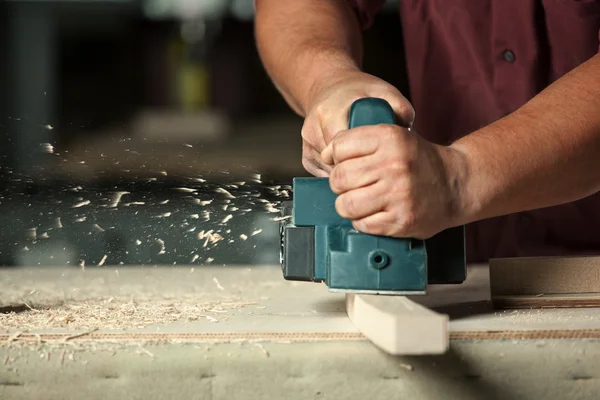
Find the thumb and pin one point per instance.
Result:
(405, 113)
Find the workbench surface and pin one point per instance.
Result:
(195, 331)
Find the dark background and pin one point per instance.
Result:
(80, 74)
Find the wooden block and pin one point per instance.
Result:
(545, 282)
(398, 325)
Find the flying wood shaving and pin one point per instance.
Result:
(272, 209)
(276, 219)
(209, 236)
(209, 260)
(243, 237)
(164, 215)
(135, 203)
(199, 180)
(163, 202)
(216, 281)
(98, 228)
(194, 216)
(202, 202)
(256, 232)
(47, 148)
(81, 219)
(225, 192)
(101, 263)
(227, 218)
(58, 223)
(186, 189)
(81, 204)
(117, 199)
(138, 242)
(162, 246)
(211, 319)
(196, 256)
(32, 233)
(44, 235)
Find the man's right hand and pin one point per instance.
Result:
(330, 102)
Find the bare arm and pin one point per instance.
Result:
(544, 154)
(303, 42)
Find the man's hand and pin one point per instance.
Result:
(392, 182)
(331, 98)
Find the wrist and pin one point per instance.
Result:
(326, 69)
(465, 205)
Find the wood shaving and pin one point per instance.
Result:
(98, 228)
(81, 204)
(225, 192)
(216, 281)
(117, 199)
(186, 190)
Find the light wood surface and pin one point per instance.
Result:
(398, 325)
(221, 304)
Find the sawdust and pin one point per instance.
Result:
(114, 314)
(119, 313)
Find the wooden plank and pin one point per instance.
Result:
(397, 325)
(544, 275)
(567, 300)
(545, 282)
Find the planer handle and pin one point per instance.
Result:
(370, 111)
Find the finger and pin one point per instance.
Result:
(312, 164)
(375, 224)
(352, 143)
(405, 113)
(360, 203)
(354, 173)
(312, 135)
(332, 123)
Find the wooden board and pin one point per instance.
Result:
(545, 282)
(397, 325)
(215, 304)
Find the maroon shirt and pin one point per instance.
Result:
(471, 62)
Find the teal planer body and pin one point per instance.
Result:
(318, 245)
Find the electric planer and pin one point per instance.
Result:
(318, 245)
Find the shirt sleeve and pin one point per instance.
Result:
(366, 10)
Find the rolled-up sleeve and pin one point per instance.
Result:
(366, 10)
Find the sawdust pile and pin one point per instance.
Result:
(121, 314)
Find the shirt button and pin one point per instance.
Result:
(508, 56)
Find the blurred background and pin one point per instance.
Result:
(147, 132)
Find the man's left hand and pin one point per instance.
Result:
(392, 182)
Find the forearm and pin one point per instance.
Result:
(546, 153)
(302, 42)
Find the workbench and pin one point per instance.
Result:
(209, 332)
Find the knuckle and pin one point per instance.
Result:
(397, 166)
(408, 221)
